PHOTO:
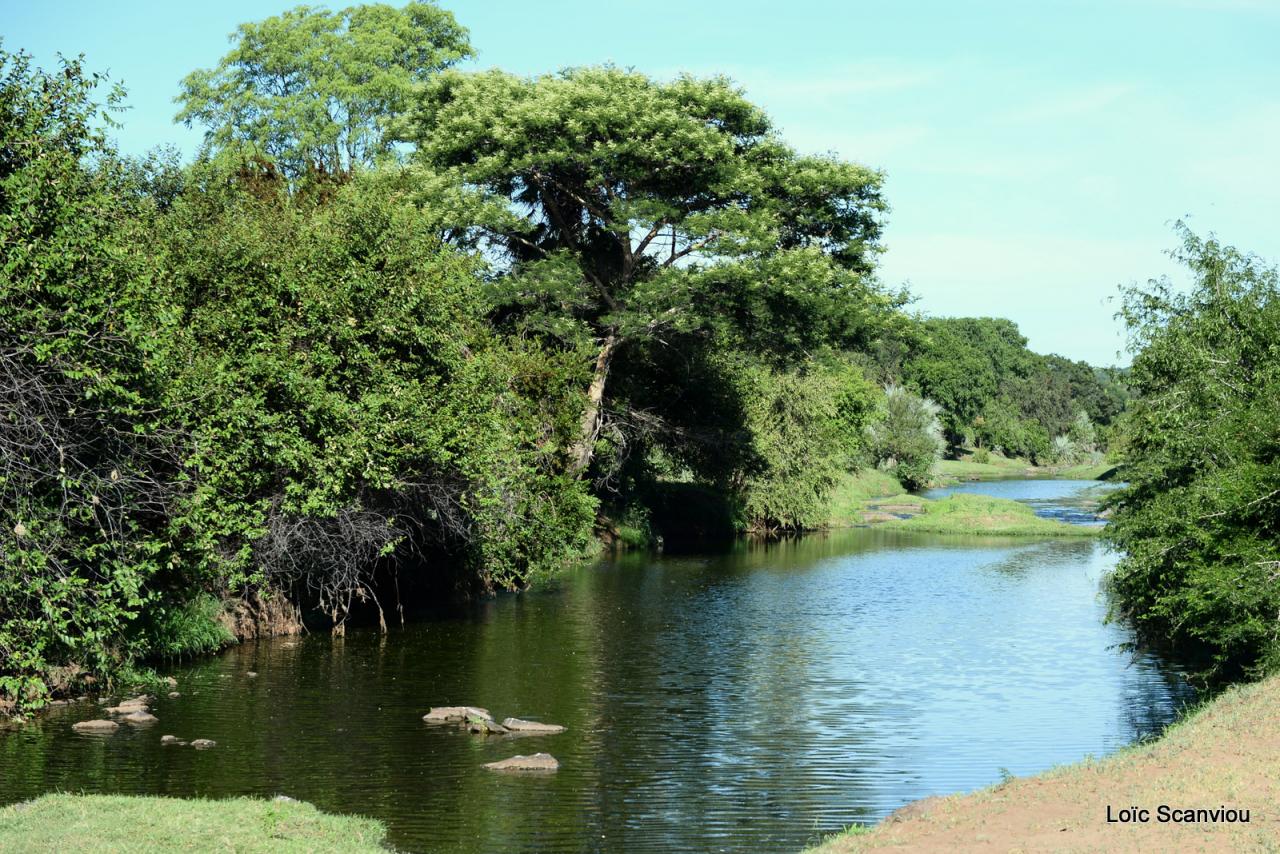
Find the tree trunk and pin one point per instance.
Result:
(580, 453)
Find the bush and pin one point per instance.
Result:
(1199, 521)
(804, 430)
(84, 458)
(907, 439)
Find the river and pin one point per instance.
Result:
(747, 701)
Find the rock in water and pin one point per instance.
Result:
(536, 762)
(454, 714)
(140, 718)
(128, 707)
(522, 727)
(172, 740)
(95, 726)
(484, 726)
(203, 744)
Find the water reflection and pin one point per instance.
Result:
(742, 702)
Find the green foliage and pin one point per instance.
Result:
(629, 212)
(805, 432)
(907, 439)
(83, 458)
(1199, 519)
(997, 393)
(177, 626)
(312, 91)
(346, 400)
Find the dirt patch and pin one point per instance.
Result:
(260, 615)
(1228, 756)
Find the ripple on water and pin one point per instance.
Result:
(749, 701)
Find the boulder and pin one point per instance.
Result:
(140, 718)
(522, 727)
(454, 714)
(128, 707)
(173, 695)
(252, 674)
(95, 726)
(203, 743)
(536, 762)
(171, 682)
(172, 740)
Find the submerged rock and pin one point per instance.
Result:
(95, 726)
(454, 714)
(522, 727)
(536, 762)
(203, 743)
(172, 740)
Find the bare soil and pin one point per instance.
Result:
(1227, 754)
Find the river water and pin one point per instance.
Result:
(746, 701)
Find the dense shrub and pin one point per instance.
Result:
(84, 456)
(347, 401)
(1199, 521)
(805, 430)
(907, 439)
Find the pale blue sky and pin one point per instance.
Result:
(1036, 152)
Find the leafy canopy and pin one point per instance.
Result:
(626, 205)
(1199, 521)
(312, 90)
(624, 210)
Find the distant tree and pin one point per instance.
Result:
(907, 440)
(313, 91)
(629, 211)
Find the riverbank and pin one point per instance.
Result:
(102, 823)
(872, 497)
(1002, 468)
(1223, 755)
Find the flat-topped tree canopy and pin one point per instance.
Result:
(625, 208)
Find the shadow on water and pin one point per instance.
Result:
(733, 702)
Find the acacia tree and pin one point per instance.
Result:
(627, 210)
(313, 90)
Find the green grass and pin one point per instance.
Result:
(995, 468)
(978, 514)
(112, 823)
(851, 496)
(1090, 471)
(874, 497)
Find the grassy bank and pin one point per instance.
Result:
(979, 514)
(1001, 468)
(873, 497)
(1223, 754)
(102, 823)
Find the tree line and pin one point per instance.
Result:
(402, 322)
